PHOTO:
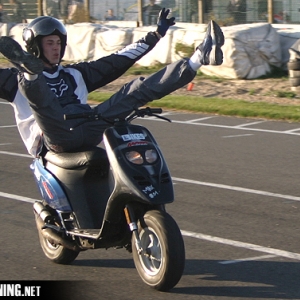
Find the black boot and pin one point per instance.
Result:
(24, 62)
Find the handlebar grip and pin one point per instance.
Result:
(156, 110)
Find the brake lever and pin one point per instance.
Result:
(161, 117)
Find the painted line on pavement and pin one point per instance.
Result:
(250, 124)
(236, 261)
(216, 185)
(238, 127)
(292, 130)
(276, 252)
(237, 135)
(201, 236)
(236, 188)
(8, 126)
(18, 197)
(15, 154)
(200, 119)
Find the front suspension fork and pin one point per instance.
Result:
(130, 218)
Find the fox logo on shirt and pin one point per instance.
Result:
(58, 88)
(64, 88)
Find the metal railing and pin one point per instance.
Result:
(226, 12)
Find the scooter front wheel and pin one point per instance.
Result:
(161, 264)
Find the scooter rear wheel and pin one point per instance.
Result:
(56, 253)
(162, 265)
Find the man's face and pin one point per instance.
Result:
(51, 48)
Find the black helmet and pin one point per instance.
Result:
(40, 27)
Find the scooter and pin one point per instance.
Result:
(111, 196)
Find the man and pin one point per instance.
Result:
(52, 90)
(238, 9)
(51, 8)
(63, 6)
(110, 15)
(150, 13)
(76, 12)
(3, 17)
(19, 14)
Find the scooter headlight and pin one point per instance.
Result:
(150, 156)
(134, 157)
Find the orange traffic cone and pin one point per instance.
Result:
(190, 86)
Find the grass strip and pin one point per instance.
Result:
(219, 106)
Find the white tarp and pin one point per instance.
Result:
(160, 53)
(4, 28)
(81, 41)
(16, 32)
(110, 40)
(249, 51)
(289, 35)
(190, 36)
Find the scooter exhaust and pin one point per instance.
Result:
(41, 211)
(42, 215)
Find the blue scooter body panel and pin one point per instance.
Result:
(49, 187)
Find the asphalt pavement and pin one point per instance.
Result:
(237, 195)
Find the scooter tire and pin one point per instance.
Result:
(57, 253)
(161, 238)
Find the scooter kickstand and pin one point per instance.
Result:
(133, 228)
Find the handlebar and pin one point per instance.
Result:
(93, 116)
(154, 110)
(148, 111)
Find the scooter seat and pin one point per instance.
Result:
(95, 157)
